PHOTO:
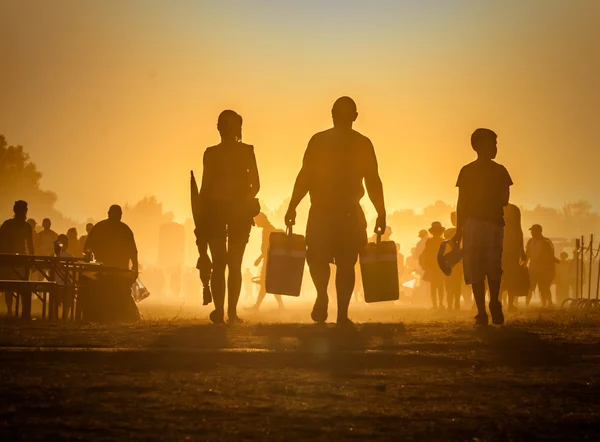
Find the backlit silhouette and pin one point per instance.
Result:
(483, 191)
(335, 164)
(228, 205)
(16, 236)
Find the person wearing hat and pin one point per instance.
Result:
(454, 281)
(483, 192)
(542, 264)
(431, 270)
(16, 237)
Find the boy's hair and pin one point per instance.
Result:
(480, 137)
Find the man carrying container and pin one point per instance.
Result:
(335, 164)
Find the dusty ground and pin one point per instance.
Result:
(429, 377)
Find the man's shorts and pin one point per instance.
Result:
(482, 251)
(335, 236)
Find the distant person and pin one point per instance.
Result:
(33, 224)
(230, 183)
(16, 237)
(423, 237)
(542, 262)
(431, 270)
(113, 244)
(74, 245)
(401, 262)
(513, 255)
(46, 238)
(483, 192)
(248, 282)
(562, 278)
(262, 222)
(83, 239)
(454, 282)
(335, 164)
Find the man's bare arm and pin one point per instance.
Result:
(375, 189)
(301, 186)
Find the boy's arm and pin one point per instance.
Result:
(460, 216)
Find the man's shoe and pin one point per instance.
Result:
(497, 316)
(319, 311)
(481, 320)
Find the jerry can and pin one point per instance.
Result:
(379, 269)
(286, 257)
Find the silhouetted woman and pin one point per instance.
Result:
(228, 205)
(513, 255)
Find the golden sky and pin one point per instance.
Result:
(116, 100)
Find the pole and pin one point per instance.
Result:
(582, 269)
(576, 294)
(591, 266)
(598, 279)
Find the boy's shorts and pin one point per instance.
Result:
(482, 251)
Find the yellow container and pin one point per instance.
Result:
(379, 269)
(285, 264)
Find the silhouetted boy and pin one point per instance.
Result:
(483, 191)
(335, 164)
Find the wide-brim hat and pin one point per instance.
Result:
(436, 227)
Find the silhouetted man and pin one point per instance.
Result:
(483, 191)
(112, 243)
(16, 237)
(542, 263)
(83, 239)
(335, 164)
(46, 238)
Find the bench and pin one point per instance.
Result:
(18, 288)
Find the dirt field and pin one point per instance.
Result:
(425, 378)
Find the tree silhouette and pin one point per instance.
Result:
(20, 180)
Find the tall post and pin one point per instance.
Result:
(598, 277)
(577, 245)
(591, 266)
(582, 268)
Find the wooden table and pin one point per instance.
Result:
(68, 271)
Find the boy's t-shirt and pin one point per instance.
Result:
(483, 185)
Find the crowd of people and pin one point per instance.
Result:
(110, 242)
(339, 165)
(526, 268)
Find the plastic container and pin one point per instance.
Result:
(379, 269)
(285, 263)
